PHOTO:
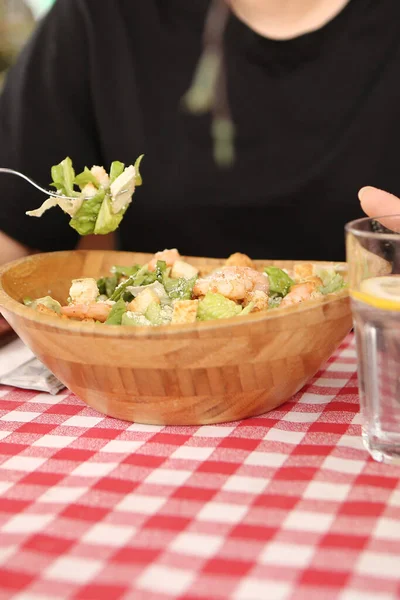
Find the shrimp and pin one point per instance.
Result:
(299, 292)
(235, 283)
(98, 311)
(45, 310)
(169, 256)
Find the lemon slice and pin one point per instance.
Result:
(380, 292)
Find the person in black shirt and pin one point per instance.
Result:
(313, 90)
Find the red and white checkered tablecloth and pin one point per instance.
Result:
(284, 506)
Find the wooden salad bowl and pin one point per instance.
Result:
(207, 372)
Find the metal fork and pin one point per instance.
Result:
(47, 192)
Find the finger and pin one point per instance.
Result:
(375, 203)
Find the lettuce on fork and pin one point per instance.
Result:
(108, 195)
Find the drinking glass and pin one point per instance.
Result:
(373, 258)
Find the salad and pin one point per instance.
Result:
(102, 200)
(168, 289)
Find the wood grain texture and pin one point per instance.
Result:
(201, 373)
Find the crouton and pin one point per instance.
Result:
(142, 301)
(168, 256)
(183, 269)
(101, 175)
(239, 260)
(303, 271)
(259, 298)
(317, 281)
(185, 311)
(83, 291)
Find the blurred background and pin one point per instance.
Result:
(18, 19)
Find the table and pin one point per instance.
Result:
(283, 506)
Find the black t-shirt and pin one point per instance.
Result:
(317, 117)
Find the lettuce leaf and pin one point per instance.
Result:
(68, 206)
(116, 313)
(162, 271)
(274, 302)
(279, 281)
(177, 289)
(180, 289)
(216, 306)
(107, 285)
(123, 271)
(84, 220)
(47, 301)
(63, 176)
(331, 281)
(134, 319)
(141, 277)
(86, 177)
(153, 314)
(117, 168)
(138, 177)
(107, 221)
(158, 314)
(247, 309)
